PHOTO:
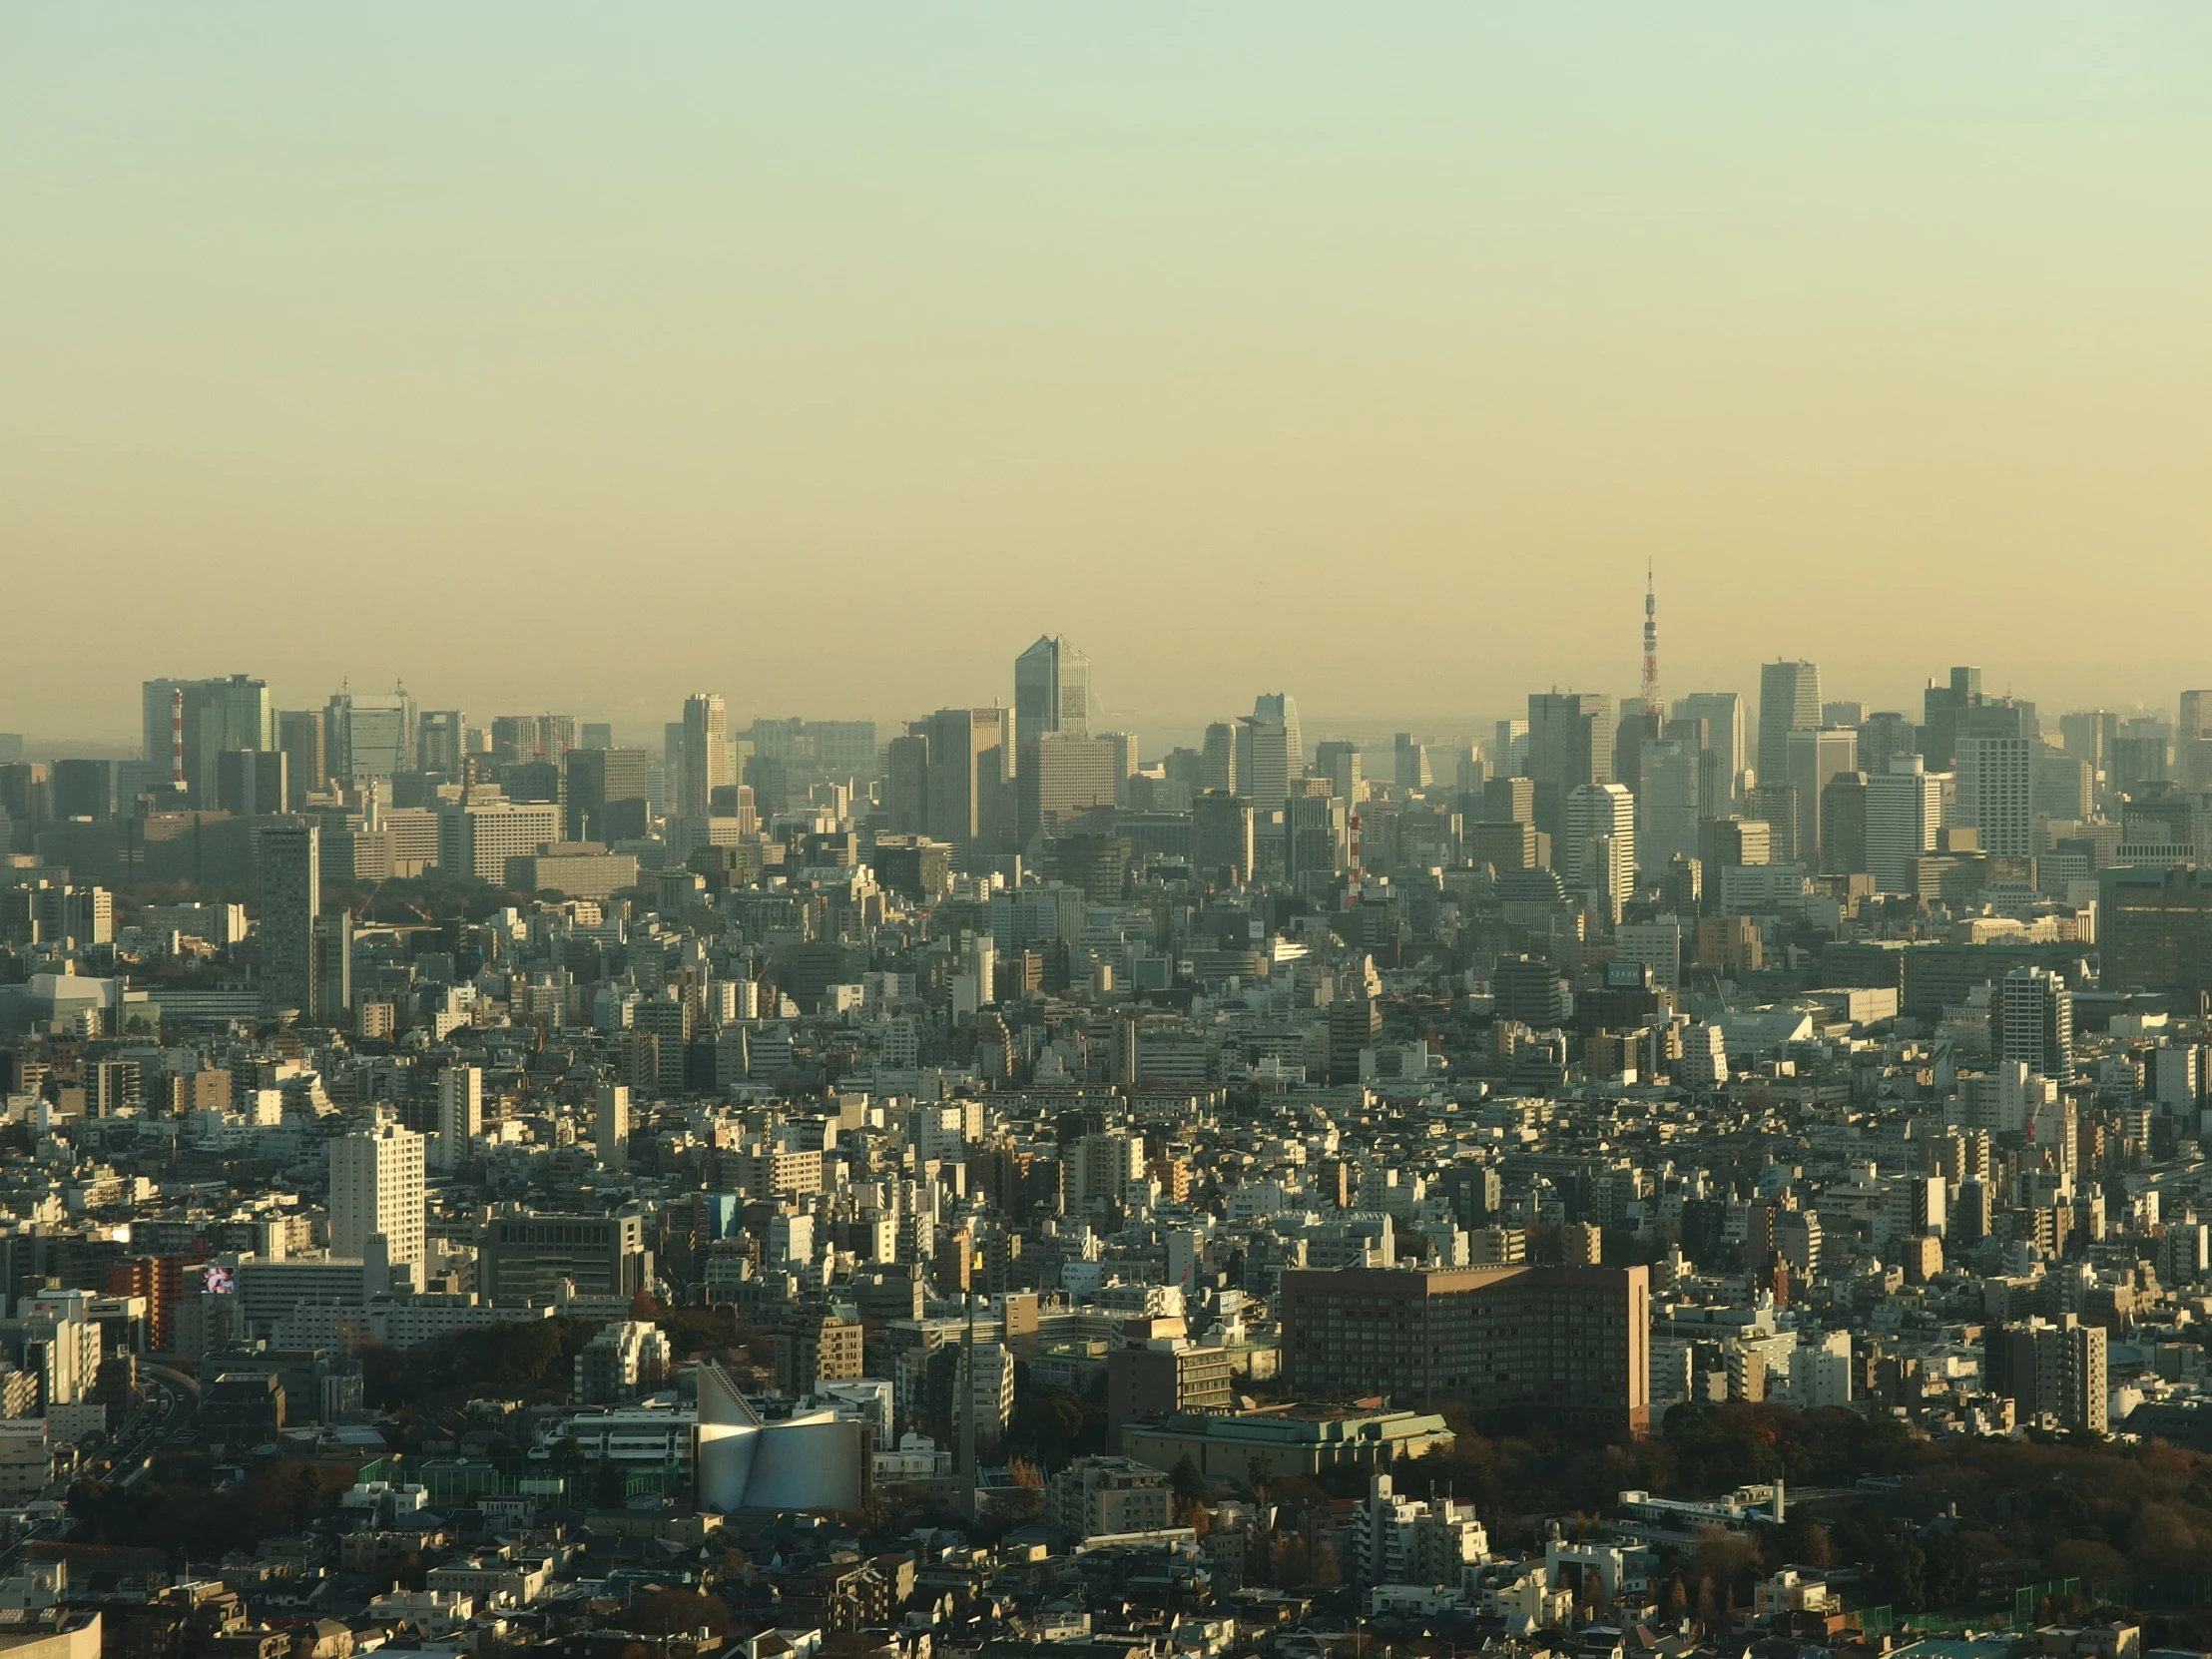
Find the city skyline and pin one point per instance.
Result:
(640, 719)
(1456, 323)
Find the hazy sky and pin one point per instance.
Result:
(573, 356)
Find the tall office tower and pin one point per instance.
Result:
(460, 1113)
(1723, 714)
(607, 793)
(370, 737)
(249, 782)
(2089, 735)
(611, 1126)
(376, 1193)
(2064, 787)
(1722, 841)
(2193, 740)
(334, 968)
(1220, 836)
(26, 801)
(906, 782)
(2033, 1024)
(83, 788)
(595, 734)
(1263, 763)
(1570, 742)
(1843, 845)
(441, 737)
(1636, 728)
(1063, 773)
(1713, 781)
(1668, 809)
(1776, 806)
(290, 869)
(1217, 763)
(1052, 691)
(1601, 850)
(219, 715)
(969, 752)
(1509, 748)
(1789, 700)
(1270, 751)
(1338, 761)
(1509, 800)
(1847, 713)
(1313, 832)
(1997, 784)
(1882, 736)
(1810, 759)
(1412, 769)
(2142, 754)
(706, 756)
(302, 740)
(1905, 809)
(1124, 748)
(1941, 707)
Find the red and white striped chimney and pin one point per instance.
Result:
(177, 738)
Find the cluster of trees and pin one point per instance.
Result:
(206, 1521)
(529, 1359)
(1959, 1521)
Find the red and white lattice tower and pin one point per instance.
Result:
(1352, 877)
(177, 739)
(1652, 703)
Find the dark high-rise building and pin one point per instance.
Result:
(969, 752)
(1221, 835)
(1570, 742)
(906, 784)
(302, 740)
(251, 782)
(599, 779)
(289, 859)
(1844, 824)
(2154, 928)
(83, 788)
(1569, 1344)
(1941, 707)
(1789, 700)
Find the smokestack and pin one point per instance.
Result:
(368, 815)
(177, 738)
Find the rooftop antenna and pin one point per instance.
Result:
(1652, 703)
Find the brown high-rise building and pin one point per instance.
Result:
(2154, 927)
(1569, 1345)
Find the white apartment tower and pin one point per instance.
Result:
(1600, 854)
(706, 752)
(611, 1126)
(460, 1113)
(377, 1192)
(1905, 809)
(1996, 779)
(2032, 1023)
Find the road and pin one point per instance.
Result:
(169, 1417)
